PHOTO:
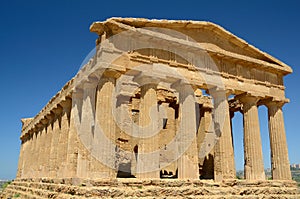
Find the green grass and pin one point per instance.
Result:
(5, 185)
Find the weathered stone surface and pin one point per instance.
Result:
(148, 157)
(134, 188)
(254, 166)
(279, 152)
(152, 82)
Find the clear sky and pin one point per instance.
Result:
(42, 45)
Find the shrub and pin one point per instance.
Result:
(5, 184)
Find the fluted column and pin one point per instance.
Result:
(25, 163)
(105, 128)
(47, 147)
(187, 140)
(63, 138)
(254, 166)
(29, 159)
(20, 162)
(279, 151)
(39, 149)
(46, 144)
(55, 118)
(86, 128)
(33, 159)
(72, 148)
(49, 126)
(148, 155)
(224, 156)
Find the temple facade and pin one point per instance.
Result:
(156, 101)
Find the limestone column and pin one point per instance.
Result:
(279, 151)
(254, 166)
(21, 159)
(26, 156)
(31, 159)
(63, 138)
(224, 156)
(54, 142)
(86, 129)
(50, 129)
(32, 169)
(104, 146)
(43, 159)
(73, 142)
(30, 165)
(148, 154)
(26, 161)
(187, 140)
(47, 146)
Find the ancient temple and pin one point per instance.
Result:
(155, 105)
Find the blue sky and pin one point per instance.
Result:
(42, 45)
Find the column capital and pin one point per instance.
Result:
(39, 125)
(66, 104)
(58, 110)
(44, 121)
(184, 89)
(218, 92)
(50, 116)
(94, 77)
(113, 73)
(77, 93)
(181, 84)
(247, 98)
(270, 103)
(91, 83)
(144, 79)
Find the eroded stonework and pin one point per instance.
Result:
(156, 103)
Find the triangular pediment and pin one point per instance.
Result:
(208, 34)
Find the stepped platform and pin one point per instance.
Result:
(134, 188)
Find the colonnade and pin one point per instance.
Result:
(54, 147)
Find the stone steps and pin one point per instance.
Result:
(133, 188)
(38, 193)
(12, 192)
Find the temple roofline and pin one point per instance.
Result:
(127, 23)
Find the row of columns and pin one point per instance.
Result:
(53, 149)
(44, 151)
(254, 167)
